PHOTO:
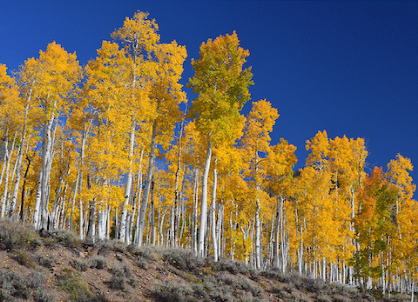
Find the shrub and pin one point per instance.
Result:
(12, 285)
(141, 262)
(46, 261)
(65, 238)
(71, 282)
(146, 252)
(339, 298)
(98, 262)
(315, 285)
(80, 266)
(234, 267)
(133, 282)
(288, 289)
(174, 292)
(200, 291)
(275, 275)
(42, 295)
(34, 279)
(16, 236)
(106, 246)
(323, 298)
(183, 260)
(23, 258)
(280, 292)
(237, 283)
(119, 276)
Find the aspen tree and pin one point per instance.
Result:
(57, 74)
(281, 160)
(11, 108)
(222, 86)
(105, 92)
(256, 140)
(158, 68)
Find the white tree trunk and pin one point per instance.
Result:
(213, 212)
(101, 224)
(91, 233)
(140, 226)
(137, 197)
(46, 170)
(219, 230)
(19, 165)
(204, 201)
(194, 218)
(6, 180)
(123, 236)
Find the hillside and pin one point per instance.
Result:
(58, 267)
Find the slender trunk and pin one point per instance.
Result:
(91, 233)
(219, 230)
(45, 170)
(123, 236)
(171, 230)
(19, 165)
(176, 189)
(137, 197)
(140, 226)
(22, 202)
(257, 219)
(213, 211)
(6, 180)
(101, 223)
(152, 209)
(276, 262)
(4, 159)
(204, 201)
(194, 217)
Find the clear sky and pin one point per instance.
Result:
(347, 67)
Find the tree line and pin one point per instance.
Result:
(81, 145)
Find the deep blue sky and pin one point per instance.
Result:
(347, 67)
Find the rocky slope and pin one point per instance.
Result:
(58, 267)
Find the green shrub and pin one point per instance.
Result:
(34, 280)
(80, 266)
(339, 298)
(288, 289)
(16, 236)
(71, 282)
(23, 258)
(234, 267)
(239, 284)
(65, 238)
(12, 286)
(315, 285)
(323, 298)
(200, 291)
(173, 292)
(146, 252)
(42, 295)
(106, 246)
(46, 261)
(119, 276)
(280, 292)
(183, 260)
(97, 262)
(141, 262)
(299, 297)
(276, 275)
(133, 282)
